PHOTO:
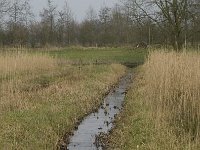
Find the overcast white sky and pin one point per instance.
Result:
(78, 7)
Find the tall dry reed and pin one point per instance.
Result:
(20, 62)
(17, 70)
(172, 90)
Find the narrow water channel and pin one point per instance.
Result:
(84, 138)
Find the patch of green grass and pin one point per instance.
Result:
(101, 55)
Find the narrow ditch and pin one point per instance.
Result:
(100, 122)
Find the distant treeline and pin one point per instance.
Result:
(154, 22)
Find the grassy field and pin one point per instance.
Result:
(162, 108)
(43, 94)
(100, 55)
(41, 98)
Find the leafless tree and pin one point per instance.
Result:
(19, 15)
(172, 15)
(65, 24)
(89, 28)
(48, 16)
(105, 20)
(4, 7)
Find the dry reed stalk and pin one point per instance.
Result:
(172, 90)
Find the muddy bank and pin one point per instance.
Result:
(100, 122)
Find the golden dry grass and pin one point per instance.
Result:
(41, 98)
(164, 106)
(172, 90)
(17, 62)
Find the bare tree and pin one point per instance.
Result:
(4, 7)
(19, 16)
(89, 28)
(171, 15)
(48, 20)
(65, 23)
(105, 20)
(119, 25)
(91, 14)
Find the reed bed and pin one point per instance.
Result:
(42, 98)
(16, 62)
(172, 91)
(162, 110)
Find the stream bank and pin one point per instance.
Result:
(101, 122)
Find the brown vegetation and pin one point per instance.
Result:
(162, 109)
(42, 98)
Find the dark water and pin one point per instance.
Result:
(84, 138)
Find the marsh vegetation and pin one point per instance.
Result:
(162, 108)
(55, 70)
(42, 98)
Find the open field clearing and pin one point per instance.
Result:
(100, 55)
(41, 98)
(162, 109)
